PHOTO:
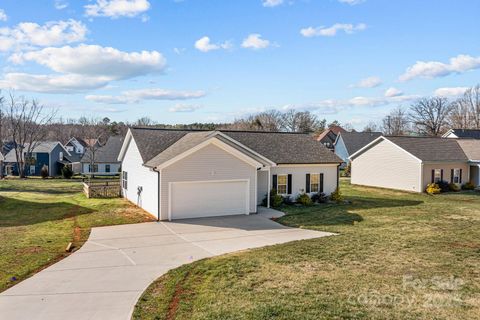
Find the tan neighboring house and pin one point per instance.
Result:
(175, 174)
(411, 163)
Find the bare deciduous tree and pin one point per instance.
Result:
(396, 123)
(96, 133)
(429, 115)
(371, 127)
(466, 110)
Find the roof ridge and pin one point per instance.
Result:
(221, 130)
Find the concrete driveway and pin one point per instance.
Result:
(105, 278)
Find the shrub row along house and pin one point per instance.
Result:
(411, 163)
(176, 174)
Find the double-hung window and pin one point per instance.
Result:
(437, 177)
(456, 175)
(107, 168)
(125, 180)
(314, 182)
(282, 184)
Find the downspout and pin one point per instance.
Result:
(158, 192)
(338, 176)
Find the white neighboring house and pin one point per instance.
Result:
(347, 143)
(175, 174)
(105, 158)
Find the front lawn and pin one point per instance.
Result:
(397, 256)
(38, 218)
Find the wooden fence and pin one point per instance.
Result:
(102, 188)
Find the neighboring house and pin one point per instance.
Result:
(176, 174)
(471, 147)
(347, 143)
(462, 134)
(50, 153)
(105, 158)
(76, 146)
(411, 163)
(328, 137)
(1, 165)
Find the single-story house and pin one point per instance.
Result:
(328, 137)
(105, 158)
(471, 147)
(50, 153)
(462, 134)
(347, 143)
(176, 174)
(410, 163)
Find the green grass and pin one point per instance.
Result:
(38, 218)
(396, 256)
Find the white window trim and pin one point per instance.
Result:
(318, 183)
(455, 172)
(439, 175)
(286, 184)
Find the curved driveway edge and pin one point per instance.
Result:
(105, 278)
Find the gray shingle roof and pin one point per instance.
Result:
(467, 133)
(159, 145)
(107, 153)
(471, 148)
(41, 147)
(431, 148)
(355, 141)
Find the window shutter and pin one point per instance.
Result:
(274, 183)
(460, 175)
(451, 176)
(289, 184)
(433, 175)
(321, 182)
(307, 183)
(441, 175)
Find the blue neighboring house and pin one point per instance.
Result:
(50, 153)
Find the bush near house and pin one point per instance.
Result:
(319, 197)
(468, 186)
(44, 172)
(67, 173)
(433, 188)
(276, 200)
(453, 187)
(304, 200)
(444, 186)
(336, 196)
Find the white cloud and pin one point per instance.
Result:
(333, 30)
(450, 92)
(60, 4)
(393, 92)
(351, 2)
(255, 41)
(370, 82)
(51, 83)
(435, 69)
(203, 44)
(96, 61)
(30, 34)
(3, 15)
(136, 96)
(117, 8)
(184, 108)
(272, 3)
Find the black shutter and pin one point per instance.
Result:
(441, 175)
(460, 175)
(433, 175)
(274, 183)
(451, 176)
(289, 184)
(307, 183)
(321, 182)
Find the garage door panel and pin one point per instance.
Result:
(207, 199)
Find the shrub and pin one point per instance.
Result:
(454, 187)
(433, 188)
(319, 197)
(67, 173)
(468, 186)
(348, 169)
(444, 186)
(44, 172)
(287, 200)
(336, 196)
(275, 199)
(304, 199)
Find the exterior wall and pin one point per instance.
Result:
(447, 167)
(208, 163)
(54, 158)
(475, 175)
(299, 176)
(140, 176)
(114, 168)
(341, 150)
(262, 185)
(386, 165)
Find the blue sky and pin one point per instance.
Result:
(187, 61)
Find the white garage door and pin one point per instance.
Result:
(208, 199)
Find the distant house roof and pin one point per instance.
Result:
(159, 145)
(354, 141)
(464, 133)
(41, 147)
(428, 149)
(79, 140)
(471, 148)
(1, 157)
(107, 153)
(335, 130)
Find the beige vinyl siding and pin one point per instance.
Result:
(299, 176)
(447, 169)
(208, 163)
(140, 176)
(386, 165)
